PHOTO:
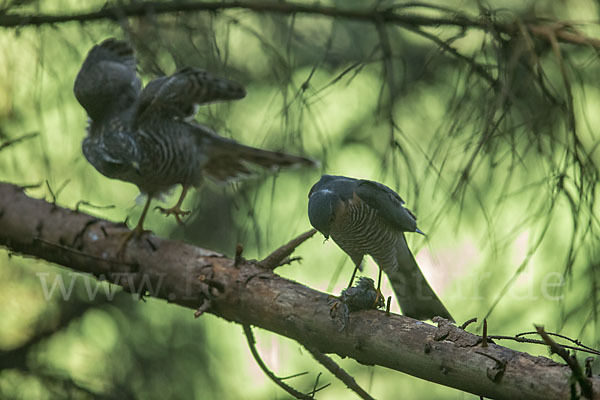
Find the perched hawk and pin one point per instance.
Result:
(366, 217)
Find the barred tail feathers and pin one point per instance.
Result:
(231, 160)
(416, 298)
(273, 159)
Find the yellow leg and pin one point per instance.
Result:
(379, 294)
(138, 230)
(353, 275)
(176, 209)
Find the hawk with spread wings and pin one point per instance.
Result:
(149, 137)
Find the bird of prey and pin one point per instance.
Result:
(148, 136)
(366, 217)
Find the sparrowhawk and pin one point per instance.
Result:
(367, 217)
(148, 137)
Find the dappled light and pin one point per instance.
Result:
(481, 116)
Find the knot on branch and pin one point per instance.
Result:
(448, 331)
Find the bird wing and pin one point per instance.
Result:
(178, 95)
(388, 203)
(107, 77)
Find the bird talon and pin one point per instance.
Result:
(176, 211)
(378, 299)
(333, 305)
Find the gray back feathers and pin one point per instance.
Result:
(384, 202)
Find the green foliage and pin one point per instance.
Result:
(500, 165)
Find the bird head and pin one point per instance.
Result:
(321, 209)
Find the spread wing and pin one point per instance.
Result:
(178, 95)
(107, 80)
(388, 203)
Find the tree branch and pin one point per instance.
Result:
(339, 373)
(140, 9)
(278, 381)
(563, 31)
(277, 257)
(251, 295)
(20, 139)
(584, 382)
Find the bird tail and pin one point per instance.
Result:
(416, 298)
(273, 159)
(235, 160)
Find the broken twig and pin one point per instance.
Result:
(266, 370)
(338, 372)
(584, 383)
(274, 259)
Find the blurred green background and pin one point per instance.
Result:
(502, 177)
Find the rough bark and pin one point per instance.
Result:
(246, 293)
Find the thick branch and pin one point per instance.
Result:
(251, 295)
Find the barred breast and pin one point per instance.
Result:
(170, 156)
(359, 230)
